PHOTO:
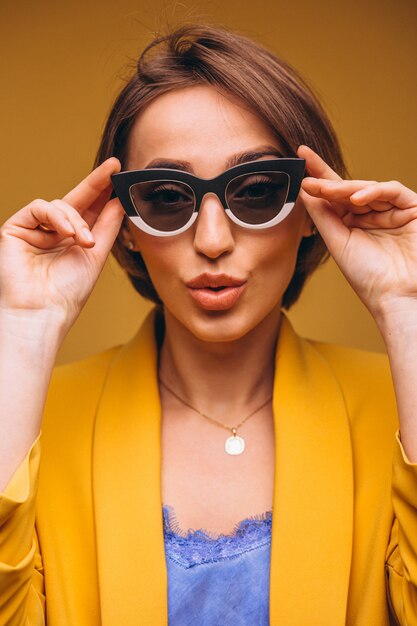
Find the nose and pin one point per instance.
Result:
(213, 233)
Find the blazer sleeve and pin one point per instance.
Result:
(401, 559)
(22, 596)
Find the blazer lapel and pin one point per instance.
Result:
(313, 494)
(127, 488)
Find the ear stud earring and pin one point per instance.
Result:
(130, 245)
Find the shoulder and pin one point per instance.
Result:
(364, 378)
(354, 364)
(68, 426)
(84, 373)
(75, 387)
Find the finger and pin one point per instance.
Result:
(45, 241)
(312, 187)
(386, 220)
(82, 234)
(107, 227)
(392, 192)
(89, 190)
(91, 214)
(41, 212)
(315, 165)
(25, 225)
(340, 192)
(104, 232)
(337, 188)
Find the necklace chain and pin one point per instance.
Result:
(233, 429)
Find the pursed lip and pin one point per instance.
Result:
(216, 292)
(206, 280)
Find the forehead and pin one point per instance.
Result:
(199, 125)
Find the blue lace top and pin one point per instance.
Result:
(218, 581)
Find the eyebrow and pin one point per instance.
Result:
(235, 159)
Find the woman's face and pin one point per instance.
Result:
(200, 126)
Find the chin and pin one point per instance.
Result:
(217, 331)
(226, 326)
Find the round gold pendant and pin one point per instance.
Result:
(234, 445)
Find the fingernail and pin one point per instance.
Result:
(87, 234)
(359, 194)
(70, 227)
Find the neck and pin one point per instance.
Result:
(216, 377)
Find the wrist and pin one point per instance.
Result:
(41, 331)
(397, 321)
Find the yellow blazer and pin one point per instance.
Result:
(339, 553)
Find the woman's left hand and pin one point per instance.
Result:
(370, 230)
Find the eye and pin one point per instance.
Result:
(164, 194)
(163, 197)
(257, 190)
(256, 187)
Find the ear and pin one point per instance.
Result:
(308, 227)
(127, 237)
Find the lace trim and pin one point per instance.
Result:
(195, 547)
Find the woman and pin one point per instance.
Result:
(222, 233)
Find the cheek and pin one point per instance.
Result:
(163, 258)
(267, 256)
(274, 252)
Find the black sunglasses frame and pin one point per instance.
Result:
(123, 181)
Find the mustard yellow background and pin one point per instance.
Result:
(62, 63)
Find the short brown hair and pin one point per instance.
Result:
(204, 54)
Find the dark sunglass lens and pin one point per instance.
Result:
(257, 198)
(163, 204)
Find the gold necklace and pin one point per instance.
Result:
(234, 444)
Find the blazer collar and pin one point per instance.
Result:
(313, 492)
(312, 526)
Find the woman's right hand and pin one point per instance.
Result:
(55, 272)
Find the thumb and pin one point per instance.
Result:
(107, 227)
(315, 165)
(329, 224)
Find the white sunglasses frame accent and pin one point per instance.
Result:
(140, 223)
